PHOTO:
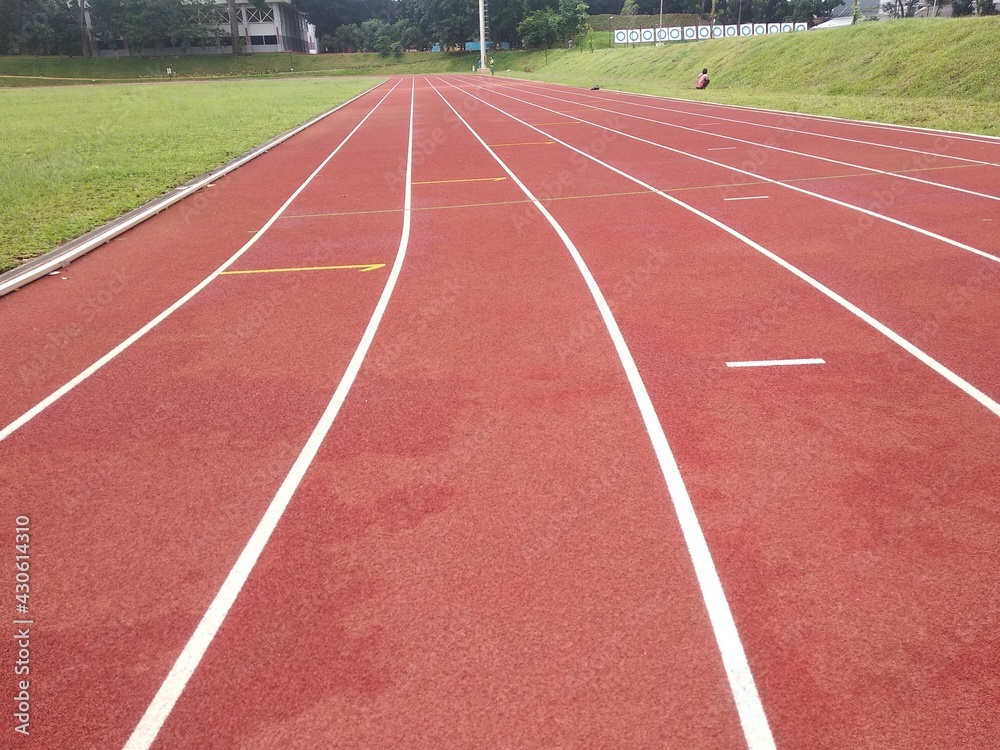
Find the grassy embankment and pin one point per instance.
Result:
(74, 157)
(938, 73)
(31, 71)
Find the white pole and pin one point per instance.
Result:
(482, 36)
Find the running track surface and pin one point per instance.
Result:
(502, 472)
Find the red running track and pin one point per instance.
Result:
(528, 517)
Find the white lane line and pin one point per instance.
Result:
(795, 188)
(874, 170)
(951, 135)
(723, 148)
(776, 363)
(63, 390)
(166, 697)
(748, 198)
(58, 259)
(910, 348)
(748, 705)
(978, 138)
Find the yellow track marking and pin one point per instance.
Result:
(525, 143)
(470, 179)
(361, 267)
(718, 186)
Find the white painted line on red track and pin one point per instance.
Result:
(722, 148)
(696, 105)
(166, 697)
(748, 198)
(776, 363)
(59, 258)
(838, 162)
(62, 391)
(903, 343)
(756, 730)
(979, 139)
(851, 165)
(769, 180)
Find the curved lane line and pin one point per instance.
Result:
(59, 258)
(63, 390)
(990, 140)
(910, 348)
(177, 679)
(803, 154)
(751, 712)
(868, 212)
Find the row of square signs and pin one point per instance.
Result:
(688, 33)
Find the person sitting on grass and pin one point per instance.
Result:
(702, 79)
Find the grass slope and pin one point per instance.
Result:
(72, 159)
(37, 71)
(939, 73)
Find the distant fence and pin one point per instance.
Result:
(694, 33)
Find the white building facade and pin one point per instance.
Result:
(279, 27)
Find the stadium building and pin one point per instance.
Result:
(279, 27)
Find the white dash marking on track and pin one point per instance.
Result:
(776, 363)
(748, 198)
(723, 148)
(952, 377)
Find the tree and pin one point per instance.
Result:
(453, 21)
(24, 26)
(505, 15)
(769, 11)
(962, 7)
(369, 33)
(900, 8)
(66, 32)
(109, 21)
(630, 8)
(539, 29)
(408, 35)
(158, 22)
(573, 18)
(234, 25)
(346, 38)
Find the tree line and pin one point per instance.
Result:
(56, 27)
(453, 22)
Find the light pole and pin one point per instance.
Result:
(482, 36)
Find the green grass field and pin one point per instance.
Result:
(74, 157)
